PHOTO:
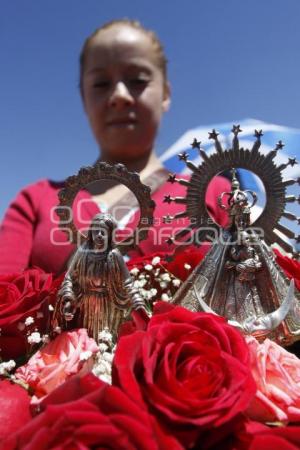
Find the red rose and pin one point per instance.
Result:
(190, 256)
(137, 322)
(141, 261)
(287, 438)
(14, 408)
(103, 418)
(184, 262)
(21, 296)
(58, 360)
(266, 438)
(191, 369)
(73, 389)
(250, 435)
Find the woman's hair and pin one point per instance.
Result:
(157, 45)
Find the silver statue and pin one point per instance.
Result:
(242, 264)
(239, 278)
(97, 291)
(238, 207)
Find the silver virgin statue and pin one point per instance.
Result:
(242, 265)
(97, 291)
(239, 278)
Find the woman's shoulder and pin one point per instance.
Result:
(41, 193)
(44, 184)
(45, 189)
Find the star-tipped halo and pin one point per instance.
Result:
(196, 144)
(254, 160)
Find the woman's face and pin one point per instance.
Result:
(124, 92)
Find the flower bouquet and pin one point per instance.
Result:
(159, 354)
(180, 380)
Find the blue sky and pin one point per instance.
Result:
(228, 60)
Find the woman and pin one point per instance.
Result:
(125, 92)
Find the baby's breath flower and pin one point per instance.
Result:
(134, 271)
(99, 369)
(148, 267)
(143, 293)
(143, 283)
(163, 284)
(106, 378)
(148, 295)
(7, 367)
(165, 297)
(108, 357)
(187, 266)
(155, 260)
(50, 307)
(107, 365)
(105, 336)
(34, 338)
(165, 277)
(28, 321)
(103, 365)
(103, 347)
(136, 284)
(176, 282)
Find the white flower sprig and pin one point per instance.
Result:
(154, 282)
(104, 358)
(29, 328)
(6, 367)
(28, 321)
(34, 338)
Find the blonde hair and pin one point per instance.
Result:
(157, 45)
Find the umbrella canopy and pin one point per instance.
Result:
(271, 135)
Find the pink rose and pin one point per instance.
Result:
(277, 375)
(66, 355)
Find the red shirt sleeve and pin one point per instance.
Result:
(215, 188)
(17, 229)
